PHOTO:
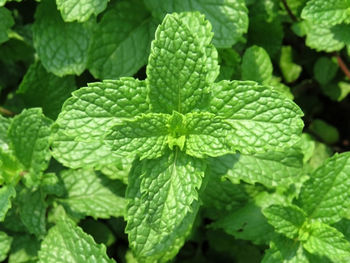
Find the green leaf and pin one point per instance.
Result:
(323, 240)
(29, 134)
(145, 136)
(162, 204)
(327, 39)
(325, 196)
(256, 65)
(5, 245)
(66, 242)
(169, 90)
(91, 194)
(325, 131)
(260, 118)
(229, 18)
(6, 194)
(62, 47)
(326, 13)
(286, 220)
(10, 168)
(325, 70)
(4, 126)
(24, 249)
(42, 89)
(272, 169)
(32, 211)
(290, 70)
(80, 10)
(6, 22)
(89, 114)
(207, 135)
(121, 41)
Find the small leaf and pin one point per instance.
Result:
(4, 126)
(6, 22)
(5, 245)
(325, 70)
(6, 194)
(290, 70)
(66, 242)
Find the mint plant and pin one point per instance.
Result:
(174, 131)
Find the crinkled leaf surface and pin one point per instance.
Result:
(325, 196)
(87, 117)
(29, 134)
(72, 10)
(62, 47)
(92, 194)
(176, 49)
(162, 206)
(260, 118)
(229, 17)
(4, 126)
(66, 242)
(323, 240)
(42, 89)
(6, 194)
(32, 211)
(326, 13)
(5, 245)
(145, 136)
(286, 220)
(270, 169)
(256, 65)
(6, 22)
(121, 41)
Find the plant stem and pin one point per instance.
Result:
(291, 15)
(343, 66)
(6, 112)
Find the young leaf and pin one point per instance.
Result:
(162, 204)
(61, 47)
(260, 118)
(66, 242)
(229, 18)
(80, 10)
(29, 134)
(326, 13)
(146, 135)
(6, 22)
(286, 220)
(5, 245)
(42, 89)
(90, 194)
(121, 41)
(32, 211)
(6, 194)
(256, 65)
(325, 196)
(323, 240)
(169, 90)
(87, 117)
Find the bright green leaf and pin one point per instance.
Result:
(88, 116)
(121, 41)
(229, 18)
(286, 220)
(62, 47)
(5, 245)
(325, 196)
(260, 118)
(80, 10)
(90, 194)
(66, 242)
(42, 89)
(290, 70)
(256, 65)
(29, 134)
(4, 126)
(6, 194)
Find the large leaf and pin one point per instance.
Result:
(326, 196)
(90, 194)
(88, 116)
(62, 47)
(260, 118)
(121, 41)
(67, 242)
(229, 17)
